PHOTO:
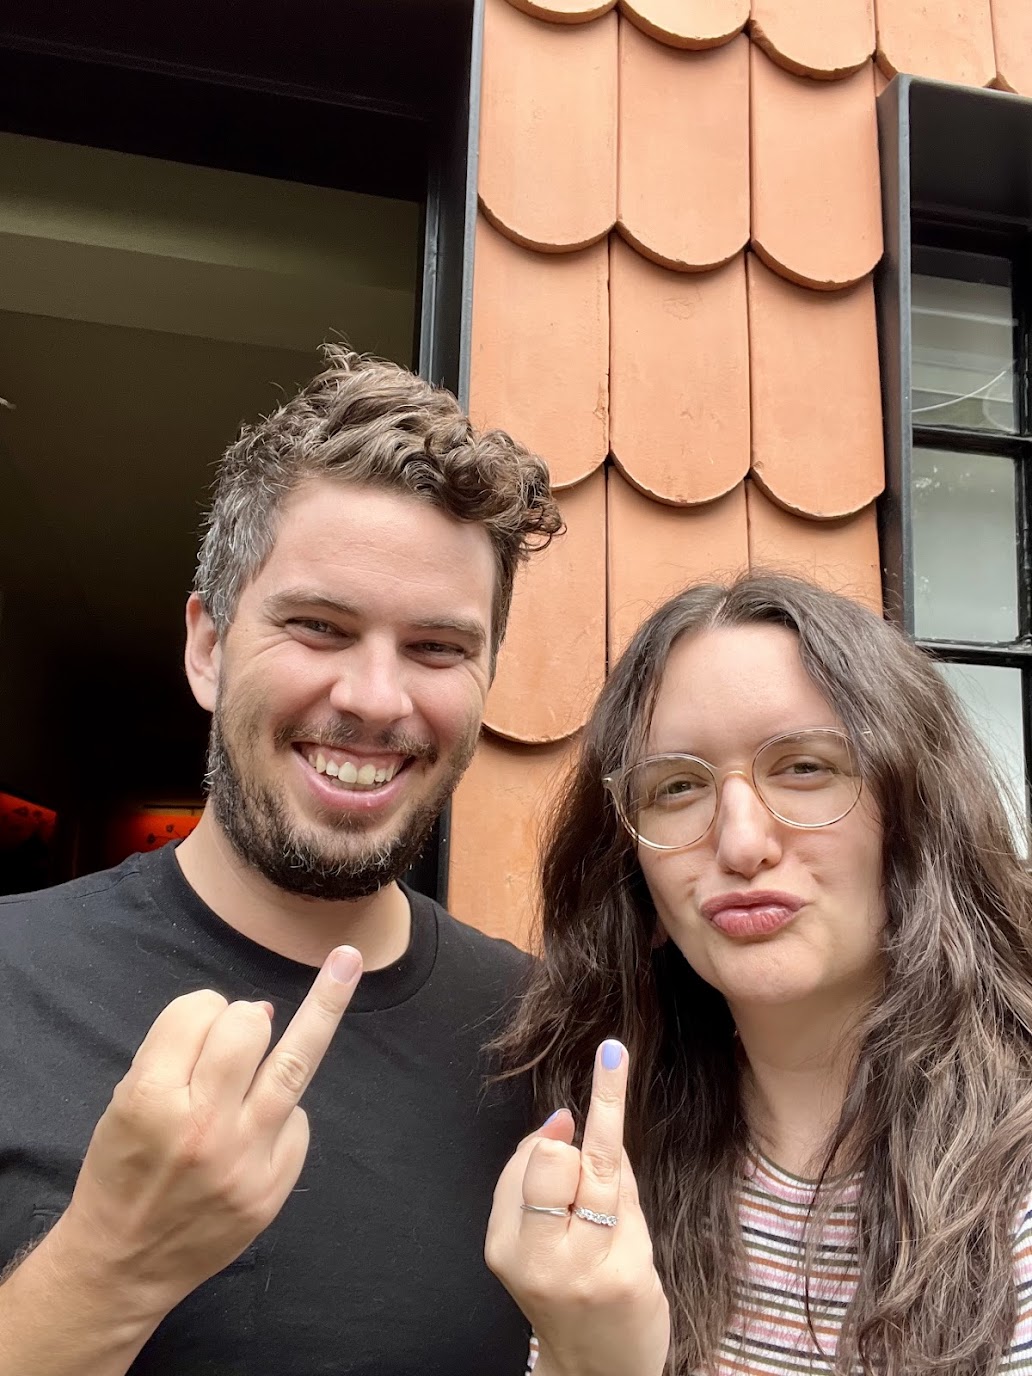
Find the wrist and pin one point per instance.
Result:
(73, 1259)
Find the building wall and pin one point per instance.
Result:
(679, 217)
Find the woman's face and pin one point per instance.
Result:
(762, 911)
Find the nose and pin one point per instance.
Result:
(747, 836)
(370, 685)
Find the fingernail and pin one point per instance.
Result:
(612, 1054)
(551, 1118)
(345, 964)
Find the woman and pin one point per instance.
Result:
(783, 877)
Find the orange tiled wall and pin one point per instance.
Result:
(679, 218)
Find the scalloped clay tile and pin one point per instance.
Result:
(683, 152)
(810, 38)
(564, 11)
(655, 551)
(539, 364)
(496, 817)
(688, 23)
(816, 396)
(553, 659)
(548, 128)
(679, 377)
(1012, 36)
(816, 186)
(839, 555)
(947, 41)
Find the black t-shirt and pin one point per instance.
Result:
(375, 1264)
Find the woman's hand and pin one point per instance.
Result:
(591, 1291)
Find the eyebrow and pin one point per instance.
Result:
(282, 603)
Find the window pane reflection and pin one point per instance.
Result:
(963, 354)
(992, 699)
(965, 547)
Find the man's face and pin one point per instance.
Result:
(349, 689)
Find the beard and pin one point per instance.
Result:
(330, 862)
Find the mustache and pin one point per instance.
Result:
(338, 735)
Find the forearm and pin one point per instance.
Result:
(62, 1315)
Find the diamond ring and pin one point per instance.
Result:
(590, 1216)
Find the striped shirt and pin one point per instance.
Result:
(770, 1335)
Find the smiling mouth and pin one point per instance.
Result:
(354, 772)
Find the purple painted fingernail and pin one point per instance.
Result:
(551, 1118)
(612, 1054)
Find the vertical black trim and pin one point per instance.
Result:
(894, 346)
(446, 315)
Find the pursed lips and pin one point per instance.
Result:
(751, 913)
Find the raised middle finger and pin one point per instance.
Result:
(287, 1071)
(602, 1147)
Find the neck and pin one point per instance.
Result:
(302, 929)
(799, 1062)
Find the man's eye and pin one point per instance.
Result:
(439, 650)
(305, 623)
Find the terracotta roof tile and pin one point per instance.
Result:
(564, 11)
(496, 818)
(948, 41)
(683, 152)
(548, 128)
(816, 398)
(654, 551)
(540, 355)
(688, 23)
(679, 377)
(840, 555)
(800, 34)
(553, 660)
(1012, 35)
(816, 200)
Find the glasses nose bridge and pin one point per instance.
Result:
(721, 776)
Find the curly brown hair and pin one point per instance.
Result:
(366, 421)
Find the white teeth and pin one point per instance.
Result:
(368, 776)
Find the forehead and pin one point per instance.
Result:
(729, 689)
(386, 551)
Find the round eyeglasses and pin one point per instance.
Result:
(806, 779)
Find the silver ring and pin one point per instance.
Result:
(590, 1216)
(546, 1209)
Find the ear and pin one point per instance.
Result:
(203, 653)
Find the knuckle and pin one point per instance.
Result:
(290, 1070)
(601, 1165)
(551, 1154)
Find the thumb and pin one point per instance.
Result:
(559, 1128)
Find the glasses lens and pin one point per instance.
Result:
(810, 779)
(669, 801)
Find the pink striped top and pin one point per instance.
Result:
(770, 1335)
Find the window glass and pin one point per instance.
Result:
(965, 547)
(992, 699)
(963, 354)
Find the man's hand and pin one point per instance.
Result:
(195, 1155)
(590, 1291)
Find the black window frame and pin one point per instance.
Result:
(956, 177)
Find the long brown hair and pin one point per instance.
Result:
(938, 1113)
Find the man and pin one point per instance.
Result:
(351, 595)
